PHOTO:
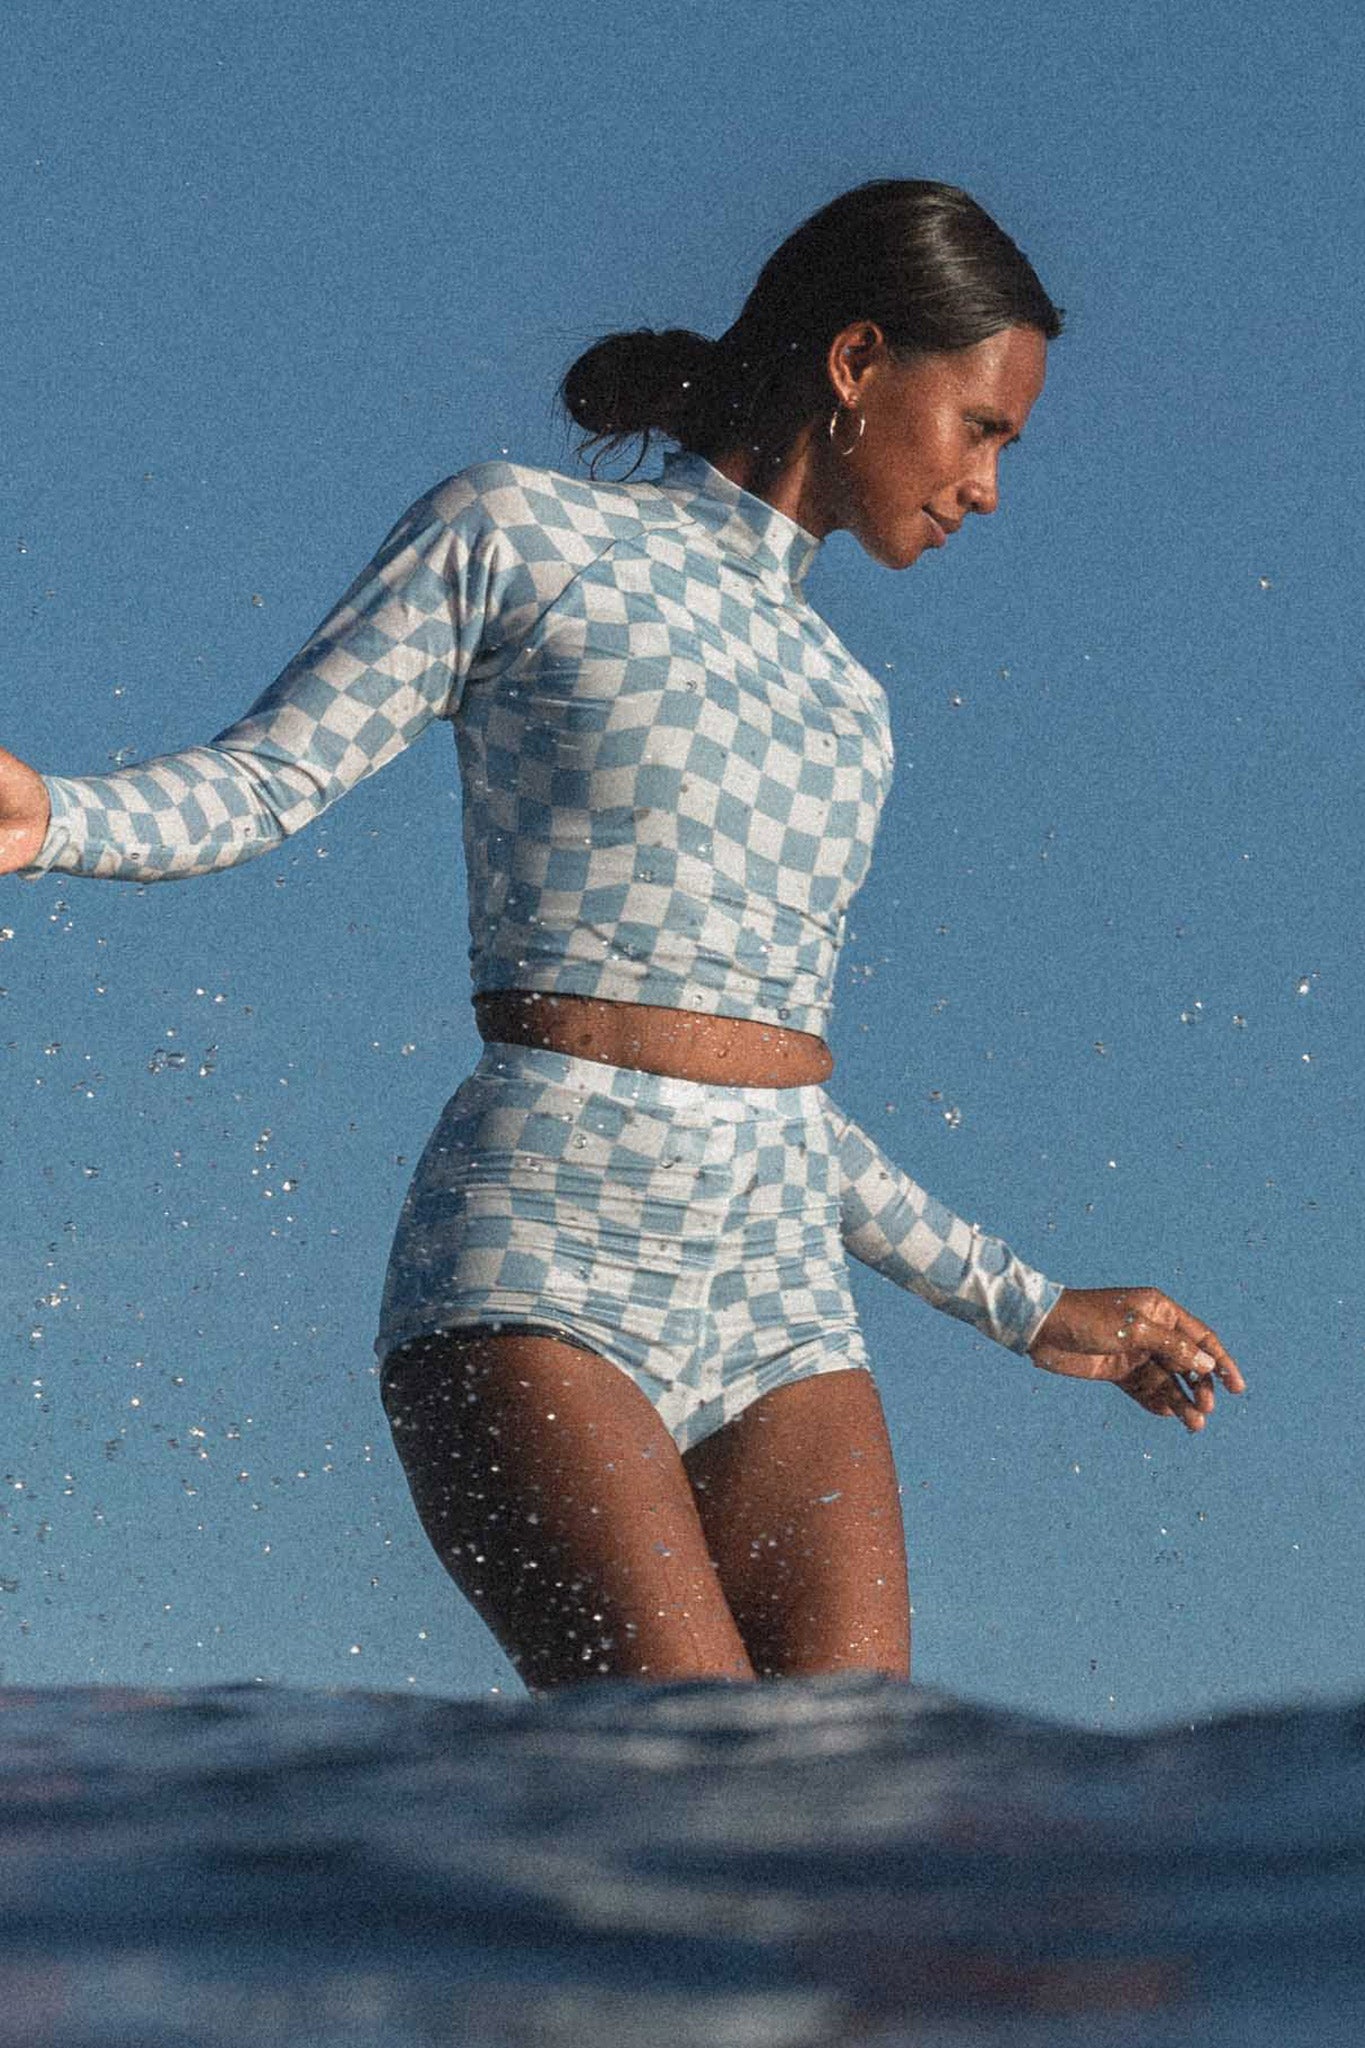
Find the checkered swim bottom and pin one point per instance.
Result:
(689, 1234)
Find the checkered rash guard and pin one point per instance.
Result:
(672, 769)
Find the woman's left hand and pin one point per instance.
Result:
(1144, 1343)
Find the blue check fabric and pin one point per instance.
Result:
(672, 769)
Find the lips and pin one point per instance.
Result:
(939, 528)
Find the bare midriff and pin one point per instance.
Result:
(734, 1052)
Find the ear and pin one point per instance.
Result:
(852, 354)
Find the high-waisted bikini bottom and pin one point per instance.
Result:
(689, 1234)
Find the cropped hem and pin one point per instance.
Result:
(654, 990)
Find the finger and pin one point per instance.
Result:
(1189, 1406)
(1211, 1353)
(1186, 1348)
(1164, 1393)
(1201, 1393)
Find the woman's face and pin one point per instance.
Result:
(929, 452)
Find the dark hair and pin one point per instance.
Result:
(922, 260)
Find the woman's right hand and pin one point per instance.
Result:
(24, 813)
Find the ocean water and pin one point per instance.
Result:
(690, 1866)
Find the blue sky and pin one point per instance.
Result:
(272, 271)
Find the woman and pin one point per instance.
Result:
(620, 1355)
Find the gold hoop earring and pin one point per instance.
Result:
(833, 423)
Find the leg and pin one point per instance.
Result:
(558, 1503)
(799, 1501)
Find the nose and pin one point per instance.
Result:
(980, 488)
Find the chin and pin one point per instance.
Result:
(893, 555)
(893, 550)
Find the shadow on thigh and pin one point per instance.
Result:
(799, 1500)
(558, 1503)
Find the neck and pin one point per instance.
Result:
(796, 485)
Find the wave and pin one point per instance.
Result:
(773, 1866)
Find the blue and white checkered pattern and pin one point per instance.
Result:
(672, 777)
(690, 1234)
(893, 1226)
(694, 1235)
(672, 769)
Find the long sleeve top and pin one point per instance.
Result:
(672, 773)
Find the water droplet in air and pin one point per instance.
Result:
(256, 598)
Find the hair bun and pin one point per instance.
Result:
(637, 381)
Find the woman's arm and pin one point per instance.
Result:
(388, 660)
(1138, 1339)
(892, 1225)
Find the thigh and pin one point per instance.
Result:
(799, 1501)
(559, 1504)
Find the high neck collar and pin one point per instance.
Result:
(743, 525)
